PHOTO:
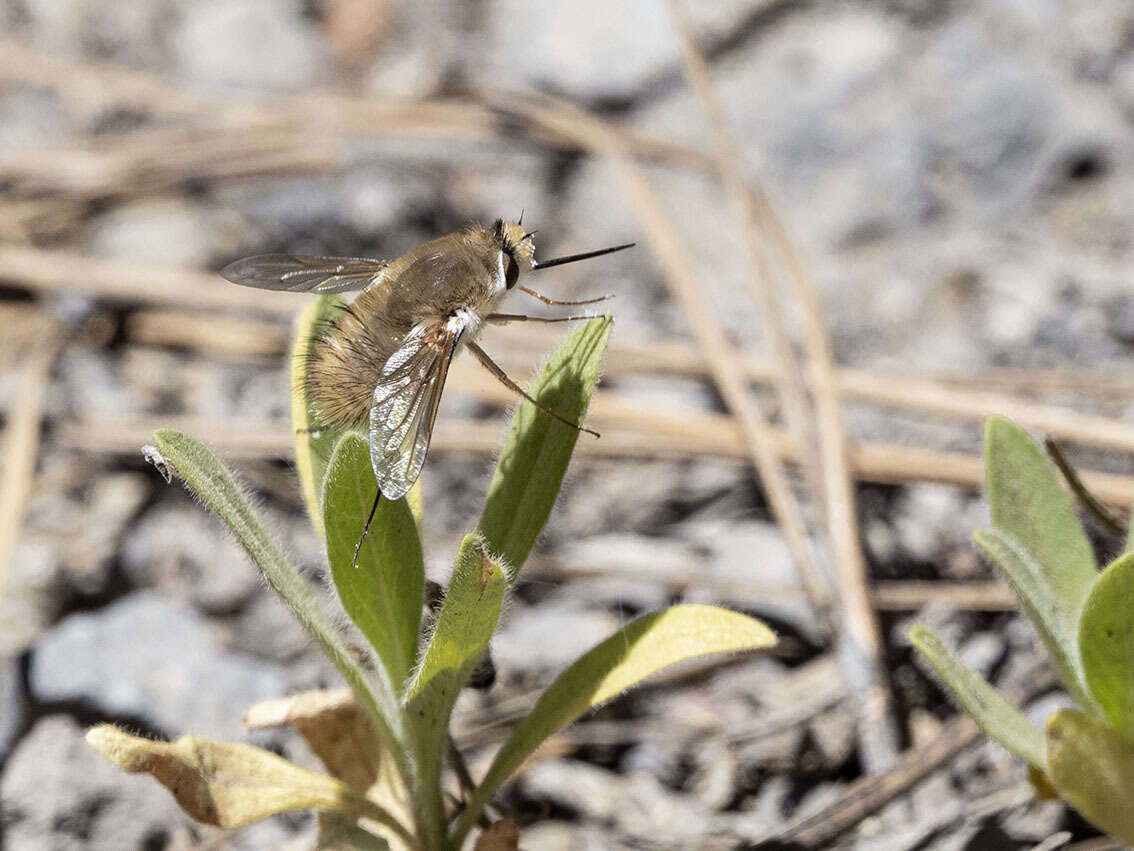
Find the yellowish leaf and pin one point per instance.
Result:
(223, 783)
(336, 727)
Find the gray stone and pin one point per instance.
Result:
(31, 598)
(89, 381)
(713, 781)
(1120, 320)
(931, 519)
(110, 503)
(554, 835)
(168, 232)
(817, 798)
(650, 811)
(582, 787)
(153, 658)
(1040, 710)
(57, 792)
(775, 752)
(982, 651)
(130, 31)
(593, 50)
(630, 568)
(935, 802)
(661, 757)
(762, 814)
(1033, 822)
(752, 554)
(248, 43)
(620, 498)
(697, 209)
(834, 734)
(32, 119)
(13, 704)
(590, 51)
(185, 551)
(267, 627)
(522, 644)
(636, 804)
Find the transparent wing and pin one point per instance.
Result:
(405, 407)
(304, 274)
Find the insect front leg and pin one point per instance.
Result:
(505, 318)
(557, 303)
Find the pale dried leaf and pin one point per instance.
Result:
(336, 727)
(223, 783)
(499, 836)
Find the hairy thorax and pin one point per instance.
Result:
(450, 283)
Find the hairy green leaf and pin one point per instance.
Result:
(1028, 503)
(460, 638)
(313, 441)
(538, 448)
(1106, 642)
(204, 474)
(1092, 767)
(1051, 615)
(996, 716)
(383, 594)
(643, 647)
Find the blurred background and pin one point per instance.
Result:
(925, 217)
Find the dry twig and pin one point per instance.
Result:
(697, 436)
(862, 642)
(21, 443)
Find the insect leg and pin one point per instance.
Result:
(547, 300)
(502, 318)
(502, 377)
(366, 528)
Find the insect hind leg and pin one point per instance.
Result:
(491, 365)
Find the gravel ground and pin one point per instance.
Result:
(961, 178)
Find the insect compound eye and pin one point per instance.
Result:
(511, 271)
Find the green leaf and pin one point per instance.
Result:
(1092, 767)
(224, 783)
(383, 594)
(643, 647)
(538, 448)
(1028, 503)
(313, 443)
(1051, 615)
(465, 624)
(996, 716)
(1106, 642)
(214, 484)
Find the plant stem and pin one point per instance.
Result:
(370, 810)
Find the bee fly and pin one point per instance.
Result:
(383, 361)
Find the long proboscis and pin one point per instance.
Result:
(586, 255)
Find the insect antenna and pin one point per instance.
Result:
(366, 528)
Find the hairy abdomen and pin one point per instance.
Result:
(346, 362)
